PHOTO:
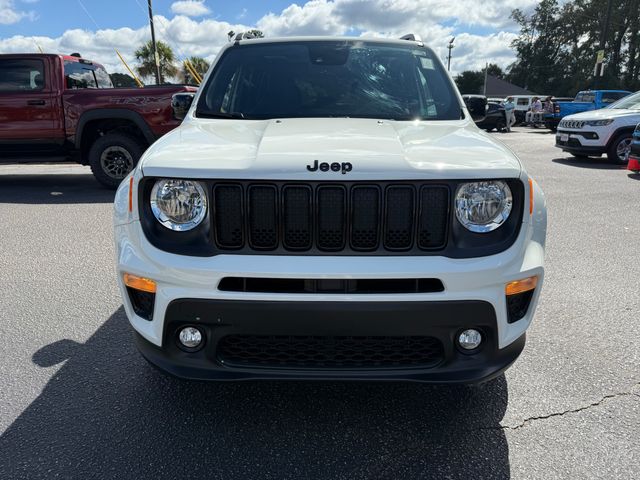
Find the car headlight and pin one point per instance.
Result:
(179, 205)
(482, 207)
(599, 123)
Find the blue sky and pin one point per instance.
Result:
(482, 28)
(53, 17)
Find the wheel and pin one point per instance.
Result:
(619, 148)
(113, 156)
(489, 129)
(501, 125)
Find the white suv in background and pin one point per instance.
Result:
(608, 130)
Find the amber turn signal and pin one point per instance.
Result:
(520, 286)
(139, 283)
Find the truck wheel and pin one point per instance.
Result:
(619, 148)
(113, 156)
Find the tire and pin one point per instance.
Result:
(618, 150)
(113, 156)
(501, 125)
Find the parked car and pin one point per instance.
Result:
(63, 107)
(584, 101)
(495, 119)
(608, 130)
(634, 153)
(328, 209)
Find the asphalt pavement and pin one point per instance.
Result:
(78, 401)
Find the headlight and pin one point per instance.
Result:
(483, 206)
(179, 205)
(599, 123)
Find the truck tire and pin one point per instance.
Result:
(618, 150)
(113, 156)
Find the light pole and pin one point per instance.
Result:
(450, 47)
(156, 57)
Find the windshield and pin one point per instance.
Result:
(631, 102)
(329, 79)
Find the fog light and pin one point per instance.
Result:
(190, 337)
(470, 339)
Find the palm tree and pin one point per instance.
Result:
(147, 67)
(199, 64)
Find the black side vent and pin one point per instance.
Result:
(263, 220)
(228, 210)
(399, 209)
(297, 217)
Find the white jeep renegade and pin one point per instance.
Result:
(328, 209)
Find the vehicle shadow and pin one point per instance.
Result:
(590, 163)
(53, 189)
(634, 176)
(107, 414)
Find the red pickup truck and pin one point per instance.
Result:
(63, 107)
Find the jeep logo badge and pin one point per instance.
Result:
(343, 167)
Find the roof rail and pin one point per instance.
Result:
(411, 37)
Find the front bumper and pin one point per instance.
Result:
(295, 322)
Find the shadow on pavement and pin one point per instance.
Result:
(634, 176)
(107, 414)
(53, 189)
(590, 163)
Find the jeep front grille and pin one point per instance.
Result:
(330, 217)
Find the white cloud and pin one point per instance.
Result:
(435, 20)
(190, 8)
(10, 14)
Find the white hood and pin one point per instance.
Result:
(282, 149)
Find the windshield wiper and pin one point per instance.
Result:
(236, 115)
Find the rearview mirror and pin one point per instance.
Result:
(477, 107)
(181, 103)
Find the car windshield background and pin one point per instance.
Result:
(630, 102)
(84, 75)
(329, 79)
(610, 97)
(21, 75)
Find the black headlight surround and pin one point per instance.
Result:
(489, 243)
(195, 242)
(461, 243)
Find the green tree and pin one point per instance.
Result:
(199, 64)
(147, 67)
(494, 70)
(122, 80)
(557, 45)
(470, 82)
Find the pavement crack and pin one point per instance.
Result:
(603, 399)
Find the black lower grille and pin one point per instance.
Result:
(339, 352)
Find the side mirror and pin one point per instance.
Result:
(477, 107)
(181, 103)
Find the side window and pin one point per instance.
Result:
(78, 75)
(523, 102)
(21, 75)
(610, 97)
(588, 97)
